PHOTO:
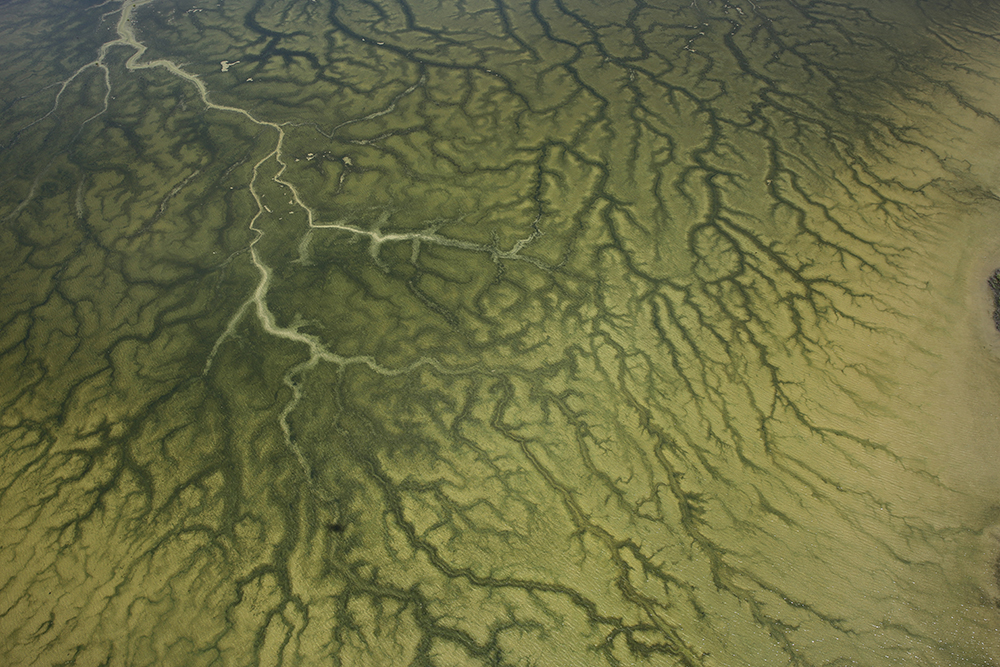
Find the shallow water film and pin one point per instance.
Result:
(499, 332)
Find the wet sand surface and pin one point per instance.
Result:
(497, 333)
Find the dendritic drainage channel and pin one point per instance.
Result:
(257, 302)
(500, 333)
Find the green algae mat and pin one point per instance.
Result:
(511, 333)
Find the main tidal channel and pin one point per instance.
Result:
(468, 333)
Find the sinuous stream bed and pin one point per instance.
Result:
(491, 332)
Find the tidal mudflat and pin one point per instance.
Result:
(487, 332)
